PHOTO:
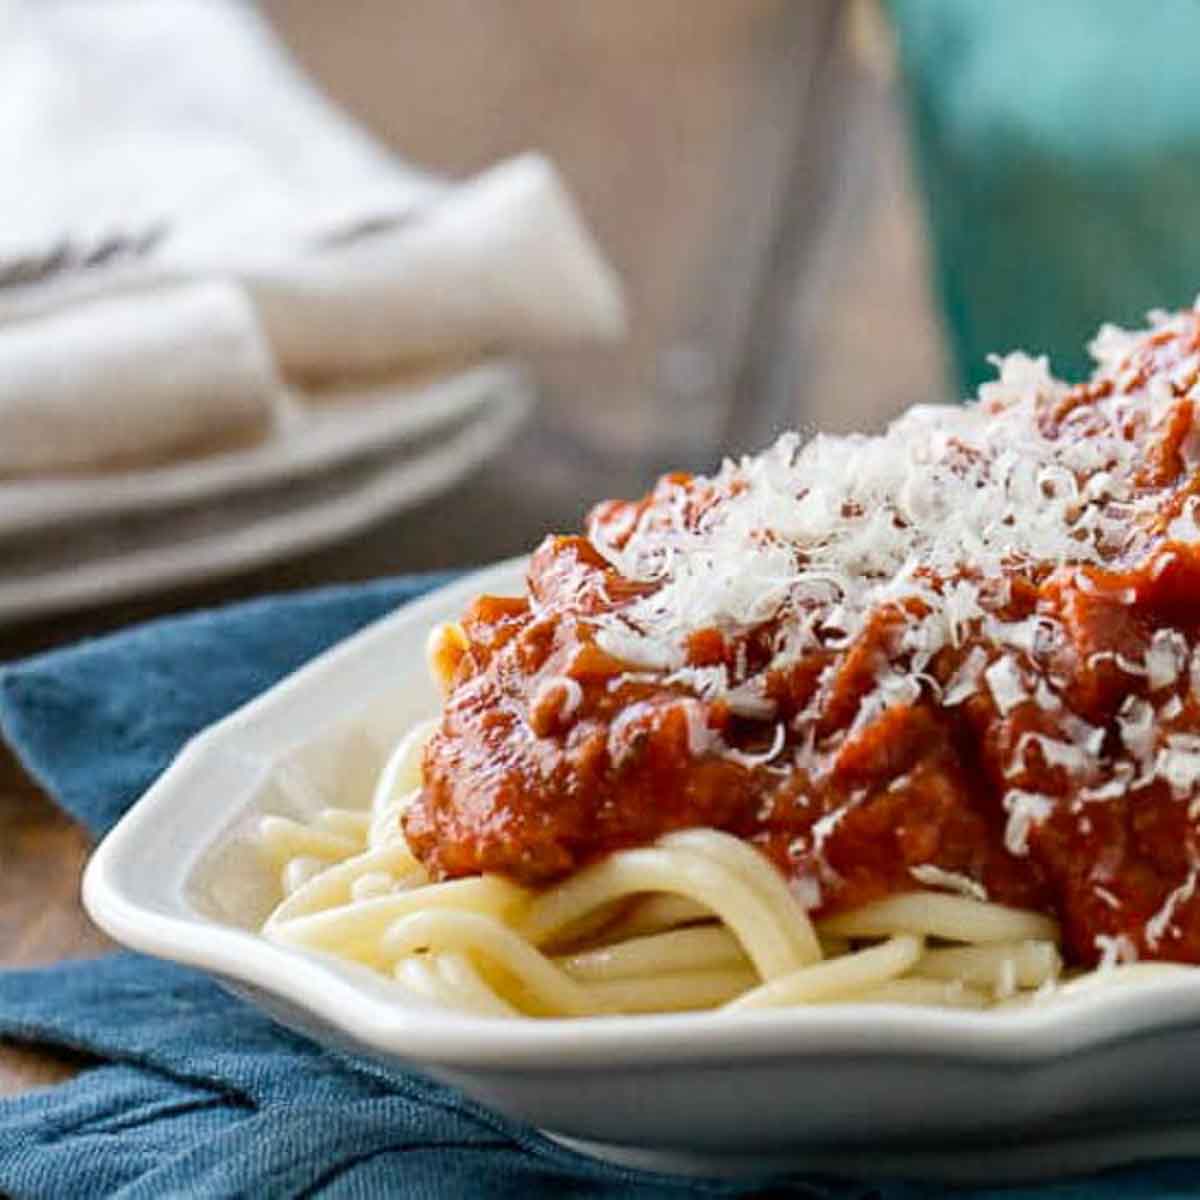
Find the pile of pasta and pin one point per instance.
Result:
(698, 920)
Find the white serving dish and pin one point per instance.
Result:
(1100, 1079)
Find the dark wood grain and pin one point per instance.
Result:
(742, 163)
(42, 853)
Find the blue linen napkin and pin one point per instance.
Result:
(191, 1092)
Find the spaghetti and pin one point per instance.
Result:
(698, 920)
(908, 719)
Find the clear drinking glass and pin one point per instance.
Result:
(743, 165)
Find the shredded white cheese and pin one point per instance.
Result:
(843, 524)
(758, 760)
(1178, 765)
(1026, 810)
(1114, 951)
(1159, 924)
(1006, 685)
(1165, 659)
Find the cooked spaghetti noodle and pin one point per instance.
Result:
(698, 920)
(912, 719)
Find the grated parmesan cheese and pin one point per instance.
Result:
(1165, 659)
(1057, 754)
(965, 681)
(1178, 765)
(561, 693)
(828, 530)
(758, 760)
(1159, 924)
(1135, 720)
(1005, 683)
(1114, 951)
(854, 521)
(1026, 810)
(806, 889)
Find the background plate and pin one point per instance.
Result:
(335, 470)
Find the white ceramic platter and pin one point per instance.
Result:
(1102, 1078)
(337, 470)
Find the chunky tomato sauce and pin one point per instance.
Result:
(1048, 753)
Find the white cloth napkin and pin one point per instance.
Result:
(150, 151)
(123, 382)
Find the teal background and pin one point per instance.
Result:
(1058, 145)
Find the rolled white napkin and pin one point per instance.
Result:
(159, 146)
(502, 261)
(121, 381)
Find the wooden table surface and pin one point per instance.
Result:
(744, 166)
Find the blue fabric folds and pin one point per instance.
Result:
(188, 1091)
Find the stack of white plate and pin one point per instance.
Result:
(328, 470)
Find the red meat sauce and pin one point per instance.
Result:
(552, 753)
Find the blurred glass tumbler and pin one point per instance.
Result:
(742, 168)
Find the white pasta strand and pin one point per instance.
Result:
(485, 936)
(418, 975)
(298, 871)
(598, 926)
(387, 825)
(1023, 964)
(556, 992)
(372, 885)
(759, 874)
(356, 930)
(473, 992)
(333, 886)
(680, 872)
(281, 839)
(936, 914)
(397, 785)
(678, 992)
(347, 822)
(935, 993)
(656, 914)
(704, 947)
(836, 976)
